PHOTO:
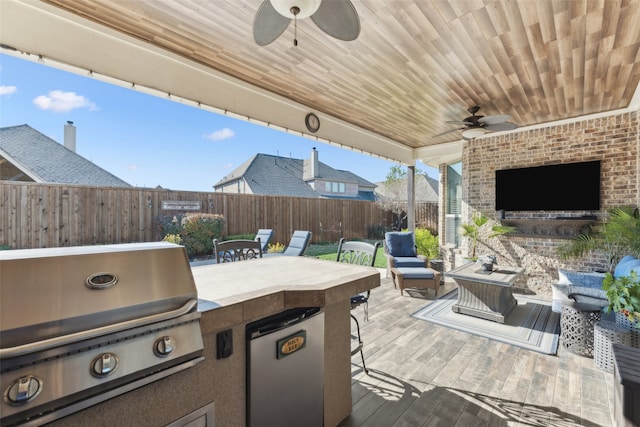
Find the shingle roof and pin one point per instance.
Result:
(282, 176)
(45, 160)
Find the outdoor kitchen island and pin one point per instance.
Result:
(230, 296)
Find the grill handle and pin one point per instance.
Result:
(6, 353)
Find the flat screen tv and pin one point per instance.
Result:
(560, 187)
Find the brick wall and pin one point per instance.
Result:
(614, 140)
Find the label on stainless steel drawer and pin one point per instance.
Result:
(292, 343)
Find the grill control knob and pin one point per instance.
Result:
(104, 364)
(164, 346)
(23, 390)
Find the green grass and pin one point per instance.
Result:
(328, 251)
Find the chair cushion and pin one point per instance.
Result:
(401, 243)
(625, 266)
(406, 261)
(416, 272)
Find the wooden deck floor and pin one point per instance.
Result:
(422, 374)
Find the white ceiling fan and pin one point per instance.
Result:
(338, 18)
(475, 126)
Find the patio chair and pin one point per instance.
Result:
(237, 250)
(401, 251)
(298, 243)
(264, 235)
(360, 253)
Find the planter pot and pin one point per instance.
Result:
(624, 321)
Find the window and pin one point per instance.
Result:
(335, 187)
(453, 203)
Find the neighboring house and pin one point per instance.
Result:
(29, 156)
(281, 176)
(426, 190)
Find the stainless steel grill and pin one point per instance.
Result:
(81, 325)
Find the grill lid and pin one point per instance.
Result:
(48, 293)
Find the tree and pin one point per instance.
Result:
(393, 195)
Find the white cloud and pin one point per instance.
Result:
(8, 90)
(63, 102)
(219, 135)
(132, 167)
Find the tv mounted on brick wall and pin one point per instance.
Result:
(559, 187)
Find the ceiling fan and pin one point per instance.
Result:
(475, 126)
(338, 18)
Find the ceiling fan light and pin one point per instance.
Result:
(473, 133)
(306, 7)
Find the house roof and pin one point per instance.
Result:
(45, 160)
(283, 176)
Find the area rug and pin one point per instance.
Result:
(531, 324)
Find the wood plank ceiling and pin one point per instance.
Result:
(416, 64)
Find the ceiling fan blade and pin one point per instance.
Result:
(492, 120)
(268, 24)
(460, 122)
(338, 18)
(449, 131)
(497, 127)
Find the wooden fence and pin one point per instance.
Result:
(34, 215)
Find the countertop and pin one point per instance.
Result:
(268, 285)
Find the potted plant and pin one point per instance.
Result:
(473, 231)
(623, 294)
(617, 235)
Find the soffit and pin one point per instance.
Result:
(415, 65)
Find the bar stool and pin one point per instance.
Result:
(577, 321)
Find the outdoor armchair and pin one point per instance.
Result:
(401, 251)
(236, 250)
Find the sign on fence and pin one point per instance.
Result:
(178, 205)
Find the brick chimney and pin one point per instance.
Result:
(70, 136)
(311, 166)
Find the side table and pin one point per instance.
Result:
(577, 321)
(605, 334)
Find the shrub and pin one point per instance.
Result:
(198, 232)
(427, 243)
(173, 238)
(276, 247)
(169, 224)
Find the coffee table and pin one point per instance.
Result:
(485, 294)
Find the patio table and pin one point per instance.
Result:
(487, 295)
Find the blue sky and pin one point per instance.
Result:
(149, 141)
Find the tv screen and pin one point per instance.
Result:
(561, 187)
